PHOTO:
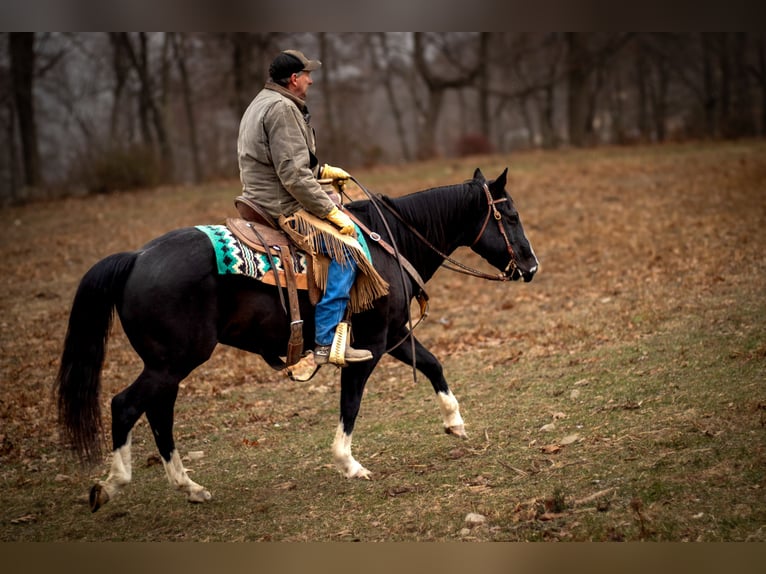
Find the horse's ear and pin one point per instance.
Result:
(502, 178)
(479, 176)
(499, 184)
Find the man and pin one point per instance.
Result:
(279, 170)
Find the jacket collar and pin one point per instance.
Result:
(288, 94)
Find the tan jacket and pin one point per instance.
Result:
(275, 149)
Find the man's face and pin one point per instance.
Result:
(301, 83)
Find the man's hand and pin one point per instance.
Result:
(343, 221)
(330, 172)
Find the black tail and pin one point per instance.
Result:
(79, 378)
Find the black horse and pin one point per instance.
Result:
(175, 308)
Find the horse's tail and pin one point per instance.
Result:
(78, 382)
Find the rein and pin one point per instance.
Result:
(399, 259)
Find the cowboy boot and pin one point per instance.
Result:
(340, 352)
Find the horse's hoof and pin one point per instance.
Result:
(362, 473)
(98, 497)
(199, 496)
(457, 430)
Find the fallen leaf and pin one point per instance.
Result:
(551, 448)
(569, 439)
(153, 459)
(398, 490)
(551, 515)
(474, 519)
(26, 519)
(594, 496)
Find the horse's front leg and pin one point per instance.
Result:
(430, 366)
(352, 381)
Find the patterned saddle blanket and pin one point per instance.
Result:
(235, 258)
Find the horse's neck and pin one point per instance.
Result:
(440, 215)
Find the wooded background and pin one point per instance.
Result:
(96, 112)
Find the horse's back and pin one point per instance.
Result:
(169, 302)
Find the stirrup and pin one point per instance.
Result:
(305, 369)
(339, 344)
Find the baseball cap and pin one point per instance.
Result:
(290, 62)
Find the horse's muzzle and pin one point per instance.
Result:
(528, 275)
(514, 272)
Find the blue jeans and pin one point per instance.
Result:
(331, 308)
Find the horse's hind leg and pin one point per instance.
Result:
(126, 410)
(430, 366)
(153, 393)
(160, 416)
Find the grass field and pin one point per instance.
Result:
(620, 396)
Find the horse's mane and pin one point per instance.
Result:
(432, 214)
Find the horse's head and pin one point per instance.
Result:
(500, 236)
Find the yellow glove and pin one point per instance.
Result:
(342, 220)
(330, 172)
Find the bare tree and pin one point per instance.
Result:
(587, 57)
(758, 70)
(742, 120)
(21, 47)
(151, 113)
(182, 95)
(534, 62)
(432, 52)
(578, 66)
(180, 56)
(250, 54)
(484, 79)
(387, 67)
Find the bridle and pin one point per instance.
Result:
(494, 212)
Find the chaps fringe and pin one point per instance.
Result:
(310, 233)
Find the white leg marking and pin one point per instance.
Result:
(179, 479)
(453, 422)
(341, 454)
(120, 471)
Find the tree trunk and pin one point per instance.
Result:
(577, 79)
(484, 67)
(427, 132)
(708, 86)
(643, 98)
(21, 48)
(120, 68)
(724, 87)
(388, 84)
(760, 73)
(179, 52)
(150, 110)
(437, 86)
(658, 98)
(547, 107)
(334, 148)
(241, 54)
(742, 120)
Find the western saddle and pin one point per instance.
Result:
(259, 231)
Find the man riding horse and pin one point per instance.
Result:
(279, 170)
